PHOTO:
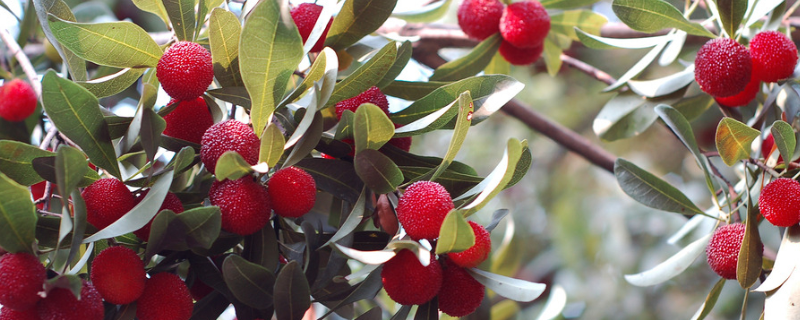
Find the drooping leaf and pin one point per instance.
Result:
(324, 68)
(622, 117)
(203, 8)
(234, 95)
(785, 140)
(748, 267)
(411, 90)
(785, 261)
(652, 191)
(59, 8)
(429, 13)
(731, 13)
(366, 76)
(733, 140)
(352, 221)
(377, 171)
(663, 86)
(367, 289)
(153, 6)
(181, 15)
(16, 158)
(223, 37)
(250, 283)
(710, 301)
(17, 217)
(455, 235)
(292, 295)
(514, 289)
(496, 180)
(308, 141)
(470, 64)
(152, 127)
(117, 44)
(262, 248)
(651, 16)
(112, 84)
(640, 65)
(552, 56)
(463, 122)
(597, 42)
(356, 19)
(671, 267)
(683, 130)
(232, 166)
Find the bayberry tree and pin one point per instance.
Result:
(278, 178)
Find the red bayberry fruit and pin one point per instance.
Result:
(742, 98)
(408, 282)
(244, 204)
(525, 24)
(107, 200)
(292, 192)
(17, 100)
(171, 202)
(460, 294)
(723, 249)
(185, 70)
(480, 19)
(189, 120)
(722, 67)
(61, 304)
(21, 278)
(118, 274)
(372, 95)
(231, 135)
(165, 296)
(520, 56)
(779, 202)
(476, 254)
(774, 56)
(305, 17)
(422, 208)
(11, 314)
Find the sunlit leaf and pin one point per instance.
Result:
(59, 8)
(785, 140)
(112, 84)
(496, 180)
(670, 268)
(223, 38)
(455, 235)
(272, 142)
(514, 289)
(597, 42)
(371, 128)
(710, 301)
(153, 6)
(733, 140)
(566, 4)
(366, 76)
(357, 19)
(748, 268)
(232, 166)
(651, 16)
(470, 64)
(785, 261)
(663, 86)
(429, 13)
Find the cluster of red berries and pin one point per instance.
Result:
(17, 100)
(305, 17)
(523, 26)
(732, 73)
(421, 211)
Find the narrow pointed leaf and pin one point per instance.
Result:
(378, 171)
(272, 142)
(356, 19)
(731, 14)
(70, 168)
(785, 140)
(182, 16)
(223, 37)
(748, 268)
(497, 180)
(652, 191)
(670, 268)
(455, 235)
(153, 6)
(59, 8)
(400, 62)
(152, 127)
(597, 42)
(463, 122)
(113, 84)
(324, 68)
(470, 64)
(733, 140)
(292, 294)
(514, 289)
(785, 261)
(17, 217)
(352, 221)
(366, 76)
(250, 283)
(710, 301)
(681, 128)
(651, 16)
(429, 13)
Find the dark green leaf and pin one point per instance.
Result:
(307, 142)
(292, 295)
(16, 158)
(785, 140)
(232, 166)
(112, 84)
(463, 122)
(181, 14)
(651, 16)
(378, 171)
(357, 19)
(367, 289)
(733, 140)
(210, 307)
(748, 266)
(17, 217)
(731, 13)
(693, 107)
(325, 68)
(262, 248)
(428, 311)
(223, 37)
(153, 6)
(250, 283)
(234, 95)
(650, 190)
(367, 75)
(429, 13)
(683, 130)
(410, 90)
(70, 168)
(495, 181)
(374, 313)
(152, 127)
(470, 64)
(711, 299)
(455, 235)
(336, 177)
(352, 220)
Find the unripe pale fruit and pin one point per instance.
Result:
(185, 70)
(11, 314)
(386, 218)
(722, 67)
(244, 204)
(407, 282)
(520, 56)
(525, 24)
(476, 254)
(480, 19)
(17, 100)
(171, 202)
(118, 274)
(774, 56)
(21, 278)
(372, 95)
(107, 200)
(189, 121)
(723, 249)
(165, 297)
(231, 135)
(460, 294)
(742, 98)
(61, 304)
(305, 17)
(779, 202)
(422, 208)
(292, 192)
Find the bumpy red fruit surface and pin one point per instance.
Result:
(742, 98)
(185, 70)
(476, 254)
(525, 24)
(165, 297)
(171, 202)
(422, 208)
(231, 135)
(292, 192)
(107, 200)
(61, 304)
(774, 56)
(520, 56)
(408, 282)
(723, 249)
(480, 19)
(779, 202)
(118, 274)
(244, 204)
(17, 100)
(21, 278)
(11, 314)
(189, 120)
(305, 17)
(722, 67)
(372, 95)
(461, 294)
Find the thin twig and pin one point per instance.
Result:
(23, 60)
(584, 67)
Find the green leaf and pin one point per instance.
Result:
(270, 49)
(366, 290)
(651, 191)
(336, 177)
(152, 127)
(272, 141)
(400, 62)
(566, 4)
(552, 56)
(785, 261)
(76, 113)
(371, 128)
(250, 283)
(597, 42)
(17, 217)
(202, 226)
(463, 122)
(663, 86)
(232, 166)
(261, 247)
(308, 141)
(352, 221)
(785, 139)
(378, 171)
(153, 6)
(711, 299)
(356, 19)
(224, 29)
(234, 95)
(181, 14)
(411, 90)
(672, 267)
(203, 8)
(637, 68)
(683, 130)
(77, 66)
(651, 16)
(731, 14)
(514, 289)
(693, 107)
(15, 161)
(733, 140)
(292, 294)
(433, 121)
(116, 44)
(748, 267)
(70, 168)
(429, 13)
(565, 22)
(495, 181)
(325, 68)
(112, 84)
(428, 310)
(472, 63)
(455, 234)
(366, 76)
(498, 65)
